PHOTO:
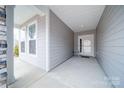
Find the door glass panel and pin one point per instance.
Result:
(87, 46)
(87, 49)
(87, 43)
(80, 45)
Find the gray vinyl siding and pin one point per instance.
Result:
(39, 59)
(110, 44)
(61, 41)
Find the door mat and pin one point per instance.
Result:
(85, 56)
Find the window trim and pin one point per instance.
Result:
(21, 47)
(28, 38)
(25, 41)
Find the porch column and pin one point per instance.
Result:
(10, 30)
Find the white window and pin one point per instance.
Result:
(23, 40)
(32, 36)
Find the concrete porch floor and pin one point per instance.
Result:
(77, 72)
(25, 74)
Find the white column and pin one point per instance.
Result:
(10, 40)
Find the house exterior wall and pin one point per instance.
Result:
(110, 44)
(76, 34)
(40, 59)
(61, 41)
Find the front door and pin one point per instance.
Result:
(86, 45)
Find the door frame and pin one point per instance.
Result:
(92, 45)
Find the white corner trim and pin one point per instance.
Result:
(47, 41)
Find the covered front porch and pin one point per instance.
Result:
(76, 72)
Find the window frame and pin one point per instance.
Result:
(28, 38)
(25, 41)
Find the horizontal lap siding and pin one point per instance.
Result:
(110, 43)
(61, 41)
(40, 59)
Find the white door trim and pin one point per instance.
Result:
(85, 37)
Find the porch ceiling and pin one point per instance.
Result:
(79, 17)
(24, 12)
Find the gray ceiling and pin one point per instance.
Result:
(79, 17)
